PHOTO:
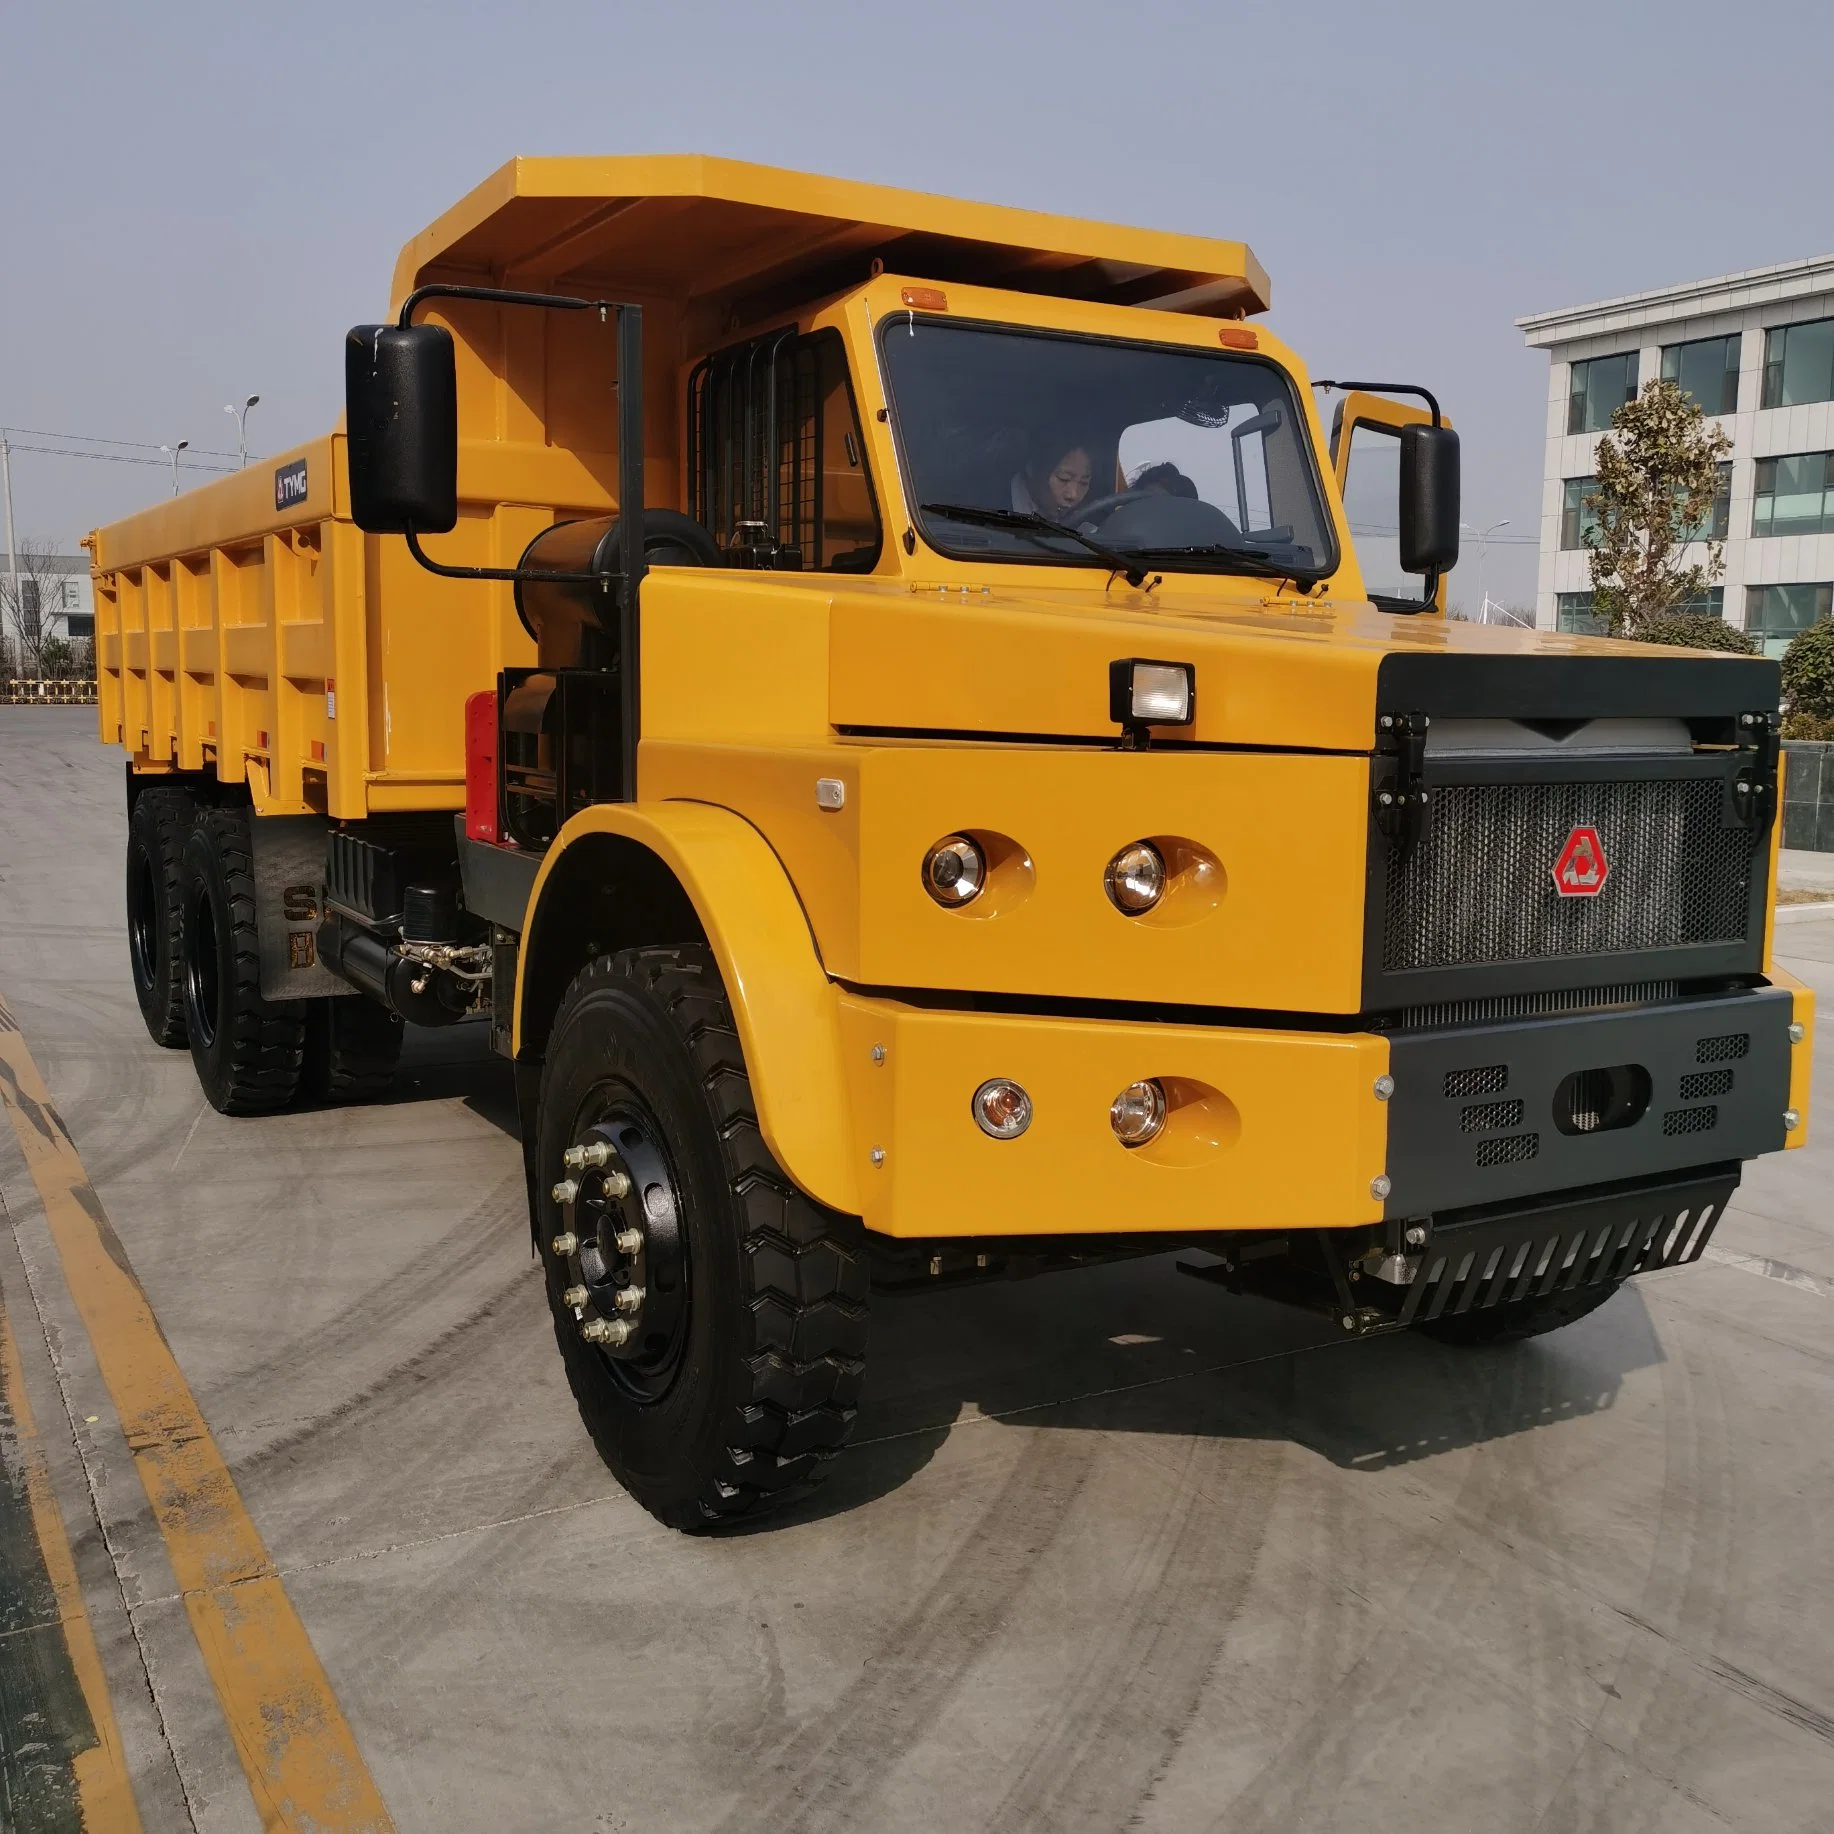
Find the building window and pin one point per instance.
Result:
(1774, 614)
(1707, 369)
(80, 627)
(1708, 604)
(1573, 612)
(1599, 388)
(1715, 524)
(1578, 522)
(1799, 364)
(1794, 496)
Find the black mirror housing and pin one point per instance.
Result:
(1429, 499)
(401, 412)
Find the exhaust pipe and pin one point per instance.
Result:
(372, 967)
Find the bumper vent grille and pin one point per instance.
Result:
(1491, 1079)
(1703, 1083)
(1690, 1121)
(1490, 1117)
(1512, 1149)
(1722, 1050)
(1678, 876)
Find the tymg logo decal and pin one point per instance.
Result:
(1581, 870)
(290, 484)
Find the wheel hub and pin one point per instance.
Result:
(619, 1257)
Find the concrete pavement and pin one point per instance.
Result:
(1111, 1550)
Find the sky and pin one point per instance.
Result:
(198, 200)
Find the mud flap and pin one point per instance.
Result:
(289, 901)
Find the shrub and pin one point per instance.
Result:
(1688, 630)
(1808, 675)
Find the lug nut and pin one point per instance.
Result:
(616, 1185)
(628, 1241)
(629, 1299)
(613, 1331)
(575, 1297)
(589, 1157)
(565, 1192)
(565, 1243)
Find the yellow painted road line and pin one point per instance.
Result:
(296, 1747)
(104, 1793)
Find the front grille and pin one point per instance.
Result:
(1531, 1005)
(1478, 886)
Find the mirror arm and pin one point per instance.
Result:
(1389, 388)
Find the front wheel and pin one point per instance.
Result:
(156, 832)
(711, 1316)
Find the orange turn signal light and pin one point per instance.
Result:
(925, 299)
(1233, 339)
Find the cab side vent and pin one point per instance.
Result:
(1492, 1079)
(1719, 1050)
(1703, 1083)
(1690, 1120)
(1510, 1150)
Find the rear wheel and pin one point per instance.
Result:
(247, 1050)
(711, 1316)
(352, 1047)
(156, 832)
(1510, 1324)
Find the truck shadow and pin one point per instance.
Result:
(1138, 1350)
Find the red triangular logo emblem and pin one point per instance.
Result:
(1582, 869)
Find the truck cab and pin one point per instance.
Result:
(991, 808)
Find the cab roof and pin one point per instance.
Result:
(751, 239)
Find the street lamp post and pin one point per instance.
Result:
(172, 452)
(241, 419)
(1483, 557)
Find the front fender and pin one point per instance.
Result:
(787, 1010)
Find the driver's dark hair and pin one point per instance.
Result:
(1167, 477)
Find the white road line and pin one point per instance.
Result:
(1818, 1284)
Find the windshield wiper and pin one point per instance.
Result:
(1030, 522)
(1257, 562)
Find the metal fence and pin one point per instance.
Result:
(47, 691)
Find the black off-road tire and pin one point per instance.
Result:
(156, 833)
(352, 1047)
(772, 1335)
(248, 1051)
(1510, 1324)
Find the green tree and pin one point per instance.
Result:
(1658, 473)
(1688, 630)
(1808, 683)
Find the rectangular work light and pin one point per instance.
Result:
(1143, 693)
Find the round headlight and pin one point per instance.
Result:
(1136, 878)
(954, 870)
(1137, 1114)
(1002, 1109)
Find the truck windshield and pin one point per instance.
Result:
(1015, 443)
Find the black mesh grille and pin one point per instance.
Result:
(1479, 885)
(1510, 1151)
(1719, 1050)
(1690, 1121)
(1527, 1005)
(1490, 1117)
(1492, 1079)
(1704, 1083)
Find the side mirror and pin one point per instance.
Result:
(1429, 499)
(401, 408)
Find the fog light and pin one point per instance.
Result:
(1137, 1114)
(1136, 878)
(954, 870)
(1002, 1109)
(1144, 693)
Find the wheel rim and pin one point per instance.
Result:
(142, 926)
(616, 1118)
(203, 980)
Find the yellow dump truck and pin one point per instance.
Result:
(985, 814)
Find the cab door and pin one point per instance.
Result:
(1366, 455)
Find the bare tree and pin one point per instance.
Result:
(29, 646)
